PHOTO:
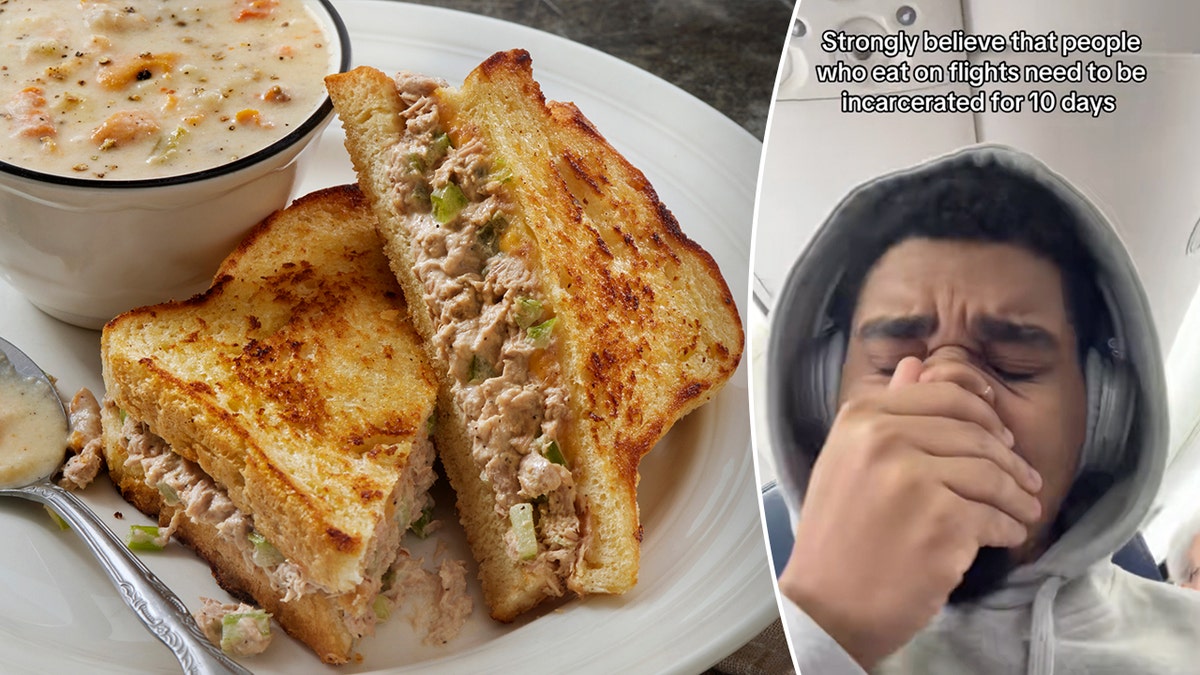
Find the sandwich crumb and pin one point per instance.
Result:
(84, 441)
(239, 630)
(438, 603)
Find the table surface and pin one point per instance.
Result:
(724, 52)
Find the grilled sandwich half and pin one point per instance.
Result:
(285, 415)
(569, 319)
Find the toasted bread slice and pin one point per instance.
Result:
(298, 389)
(645, 328)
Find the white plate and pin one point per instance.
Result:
(704, 588)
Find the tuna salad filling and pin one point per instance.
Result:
(185, 485)
(239, 630)
(493, 330)
(85, 441)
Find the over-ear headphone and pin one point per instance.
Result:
(1111, 395)
(1111, 398)
(819, 377)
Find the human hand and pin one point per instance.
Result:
(912, 481)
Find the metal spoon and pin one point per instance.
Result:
(156, 605)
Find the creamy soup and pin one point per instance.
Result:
(150, 88)
(33, 429)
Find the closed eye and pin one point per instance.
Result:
(1009, 376)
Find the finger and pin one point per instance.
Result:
(981, 481)
(966, 376)
(947, 399)
(908, 371)
(993, 527)
(948, 437)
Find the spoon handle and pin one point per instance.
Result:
(156, 605)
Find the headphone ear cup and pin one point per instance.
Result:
(833, 354)
(818, 371)
(1111, 398)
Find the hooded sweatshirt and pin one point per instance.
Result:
(1071, 610)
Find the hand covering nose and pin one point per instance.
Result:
(953, 363)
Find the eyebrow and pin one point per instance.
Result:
(985, 328)
(991, 329)
(898, 328)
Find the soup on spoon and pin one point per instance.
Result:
(33, 428)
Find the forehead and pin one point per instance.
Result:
(923, 275)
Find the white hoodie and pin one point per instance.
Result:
(1072, 611)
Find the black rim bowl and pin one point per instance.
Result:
(314, 120)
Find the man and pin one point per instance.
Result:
(972, 421)
(1183, 558)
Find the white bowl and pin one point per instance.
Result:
(84, 250)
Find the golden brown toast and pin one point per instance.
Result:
(646, 329)
(298, 385)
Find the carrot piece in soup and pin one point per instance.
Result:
(27, 110)
(124, 127)
(118, 74)
(253, 9)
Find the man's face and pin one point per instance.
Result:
(977, 312)
(1191, 574)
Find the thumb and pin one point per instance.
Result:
(907, 372)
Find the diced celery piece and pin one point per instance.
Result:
(437, 149)
(382, 610)
(489, 235)
(420, 195)
(480, 370)
(233, 631)
(431, 424)
(167, 146)
(447, 201)
(143, 538)
(416, 163)
(521, 517)
(419, 525)
(527, 312)
(551, 452)
(62, 524)
(539, 335)
(265, 553)
(500, 171)
(122, 414)
(169, 495)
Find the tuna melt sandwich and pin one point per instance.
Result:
(279, 424)
(569, 320)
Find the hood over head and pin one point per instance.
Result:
(804, 357)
